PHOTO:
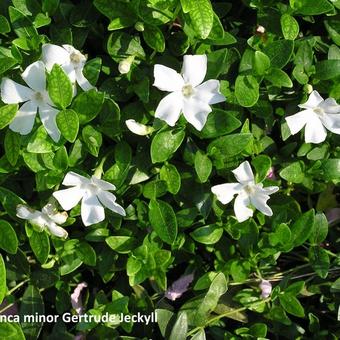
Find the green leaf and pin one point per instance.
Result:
(246, 90)
(171, 176)
(155, 189)
(121, 244)
(60, 160)
(154, 37)
(262, 165)
(165, 143)
(180, 329)
(201, 15)
(86, 253)
(312, 7)
(6, 64)
(209, 234)
(8, 238)
(11, 331)
(68, 124)
(12, 144)
(40, 244)
(4, 25)
(319, 260)
(279, 52)
(261, 62)
(279, 78)
(32, 304)
(3, 287)
(290, 27)
(231, 145)
(217, 288)
(219, 122)
(163, 220)
(294, 172)
(320, 230)
(59, 87)
(40, 142)
(327, 69)
(291, 305)
(88, 104)
(93, 139)
(7, 113)
(331, 169)
(203, 166)
(302, 228)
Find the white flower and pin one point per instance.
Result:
(35, 97)
(48, 218)
(138, 128)
(124, 66)
(94, 194)
(248, 193)
(317, 115)
(188, 94)
(266, 288)
(70, 59)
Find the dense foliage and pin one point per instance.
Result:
(268, 56)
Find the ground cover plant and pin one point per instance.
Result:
(176, 157)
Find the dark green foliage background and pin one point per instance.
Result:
(174, 225)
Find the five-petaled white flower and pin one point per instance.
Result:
(94, 194)
(317, 115)
(35, 98)
(188, 94)
(70, 59)
(248, 193)
(48, 218)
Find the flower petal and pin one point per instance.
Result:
(26, 213)
(13, 93)
(298, 121)
(167, 79)
(314, 130)
(108, 200)
(169, 108)
(196, 112)
(313, 101)
(82, 81)
(55, 230)
(104, 185)
(92, 211)
(71, 72)
(35, 76)
(270, 190)
(24, 119)
(53, 54)
(244, 173)
(330, 106)
(69, 198)
(259, 201)
(73, 178)
(138, 128)
(48, 118)
(209, 92)
(194, 69)
(242, 212)
(225, 192)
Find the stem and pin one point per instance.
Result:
(17, 287)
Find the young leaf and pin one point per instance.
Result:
(68, 124)
(7, 113)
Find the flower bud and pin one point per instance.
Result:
(266, 289)
(139, 26)
(138, 128)
(124, 66)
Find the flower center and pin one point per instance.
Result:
(249, 189)
(75, 58)
(38, 96)
(187, 90)
(319, 111)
